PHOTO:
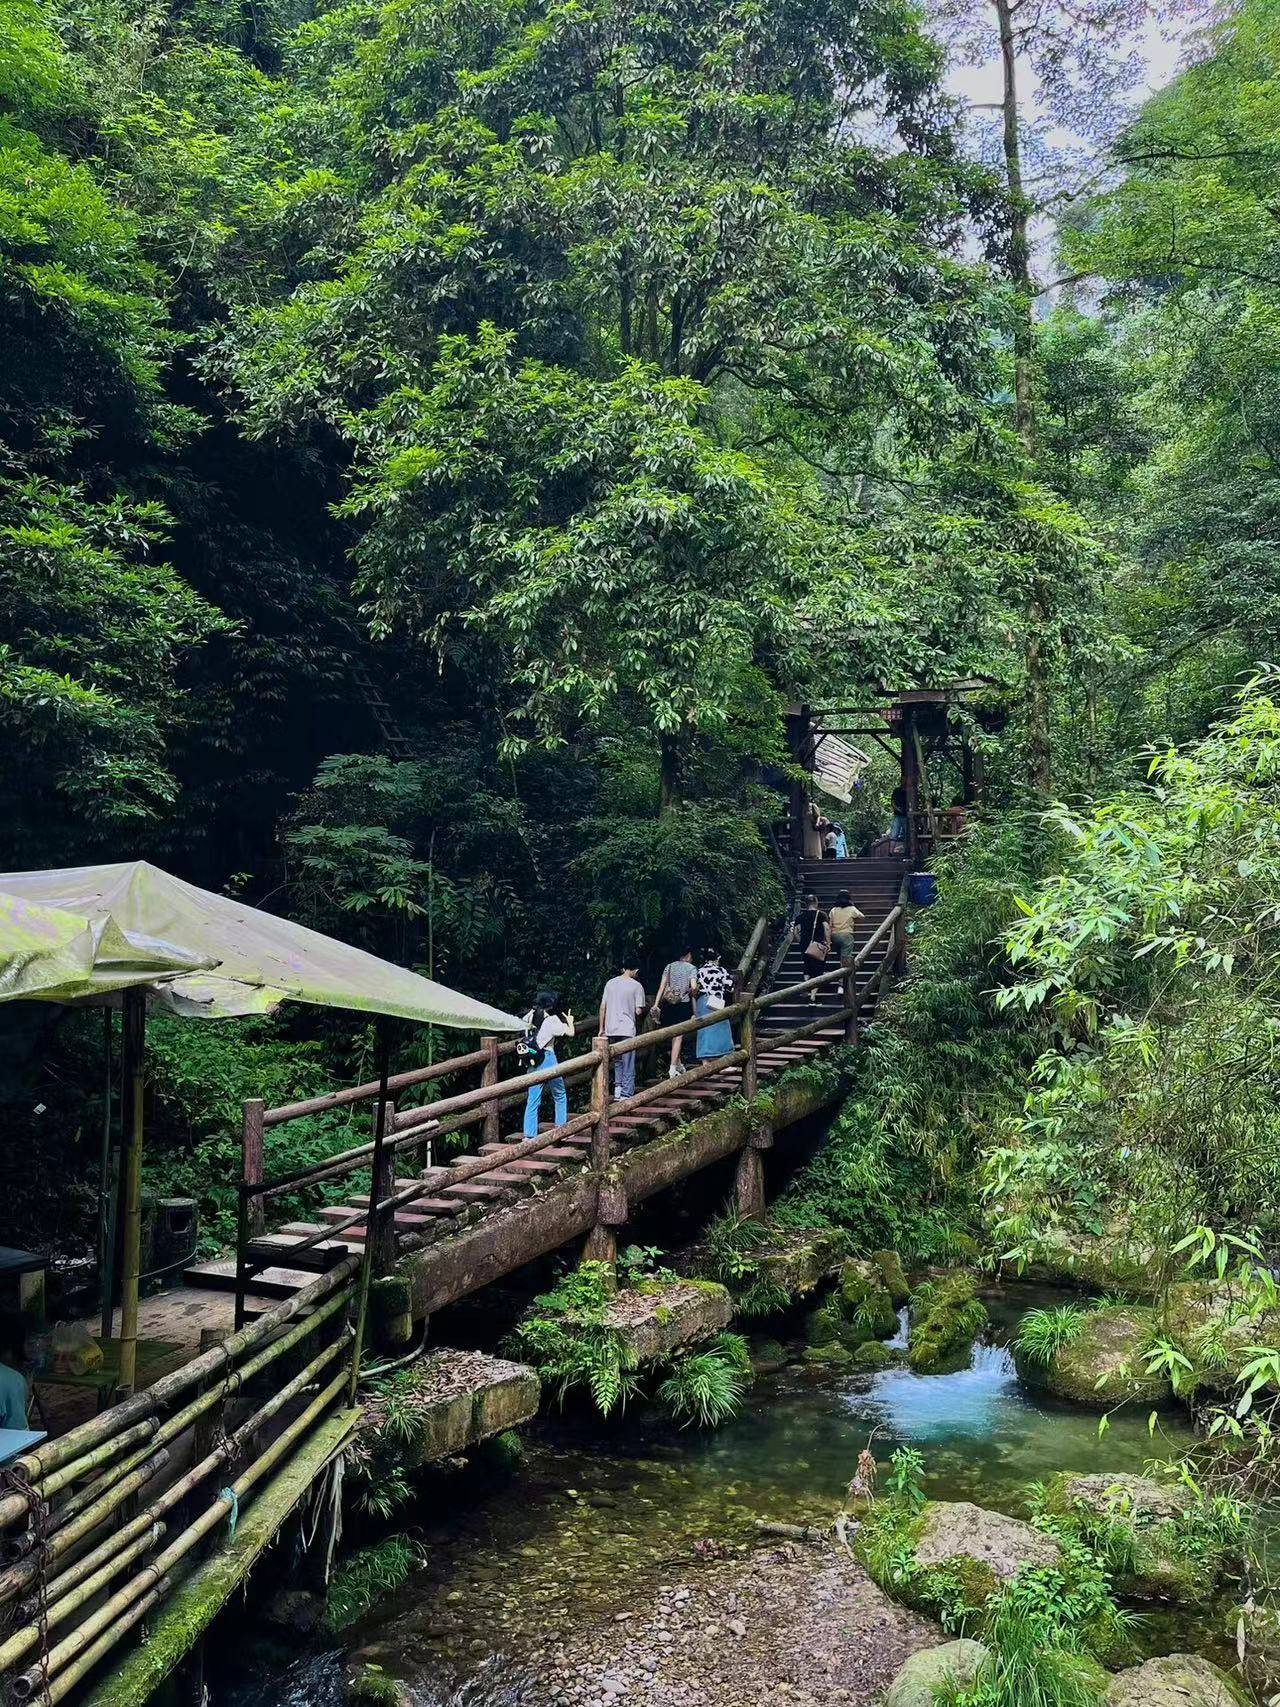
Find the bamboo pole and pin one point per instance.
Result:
(19, 1575)
(15, 1505)
(231, 1383)
(152, 1583)
(133, 1043)
(62, 1686)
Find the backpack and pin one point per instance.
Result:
(528, 1054)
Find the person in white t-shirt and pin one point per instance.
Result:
(545, 1020)
(621, 1005)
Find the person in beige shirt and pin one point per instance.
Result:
(844, 916)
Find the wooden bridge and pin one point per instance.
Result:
(181, 1487)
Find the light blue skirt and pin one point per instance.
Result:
(715, 1040)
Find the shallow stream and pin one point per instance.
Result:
(593, 1518)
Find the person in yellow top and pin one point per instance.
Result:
(844, 916)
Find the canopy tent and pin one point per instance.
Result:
(133, 934)
(201, 955)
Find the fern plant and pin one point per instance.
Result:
(569, 1342)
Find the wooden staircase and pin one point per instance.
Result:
(874, 886)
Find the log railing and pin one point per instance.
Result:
(407, 1131)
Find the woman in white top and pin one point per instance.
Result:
(547, 1023)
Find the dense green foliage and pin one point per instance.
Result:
(435, 445)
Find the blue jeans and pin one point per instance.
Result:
(533, 1102)
(624, 1073)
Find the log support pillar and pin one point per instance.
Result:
(611, 1208)
(748, 1185)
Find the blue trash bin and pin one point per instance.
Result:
(922, 887)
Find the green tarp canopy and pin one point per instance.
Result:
(85, 932)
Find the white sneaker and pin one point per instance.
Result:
(674, 1072)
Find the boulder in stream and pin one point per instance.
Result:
(857, 1311)
(959, 1552)
(1177, 1680)
(1103, 1365)
(919, 1679)
(947, 1316)
(893, 1277)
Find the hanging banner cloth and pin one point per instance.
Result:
(83, 933)
(836, 766)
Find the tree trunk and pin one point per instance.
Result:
(1039, 745)
(1019, 239)
(668, 773)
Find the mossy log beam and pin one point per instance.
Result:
(193, 1606)
(504, 1241)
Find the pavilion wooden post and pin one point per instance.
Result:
(800, 746)
(251, 1151)
(491, 1130)
(134, 1030)
(911, 782)
(602, 1242)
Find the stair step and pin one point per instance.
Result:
(271, 1284)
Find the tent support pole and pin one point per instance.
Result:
(132, 1042)
(107, 1190)
(373, 1219)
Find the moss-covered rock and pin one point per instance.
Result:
(1177, 1680)
(865, 1302)
(831, 1356)
(1140, 1526)
(893, 1277)
(372, 1687)
(919, 1679)
(1114, 1261)
(947, 1317)
(1213, 1325)
(1103, 1365)
(873, 1355)
(958, 1555)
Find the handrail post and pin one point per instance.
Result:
(383, 1122)
(252, 1171)
(492, 1127)
(750, 1076)
(748, 1184)
(381, 1230)
(242, 1252)
(851, 1002)
(602, 1243)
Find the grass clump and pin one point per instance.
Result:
(1043, 1333)
(1035, 1657)
(706, 1388)
(367, 1576)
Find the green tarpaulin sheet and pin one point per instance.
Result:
(84, 932)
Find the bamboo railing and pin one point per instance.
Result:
(100, 1525)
